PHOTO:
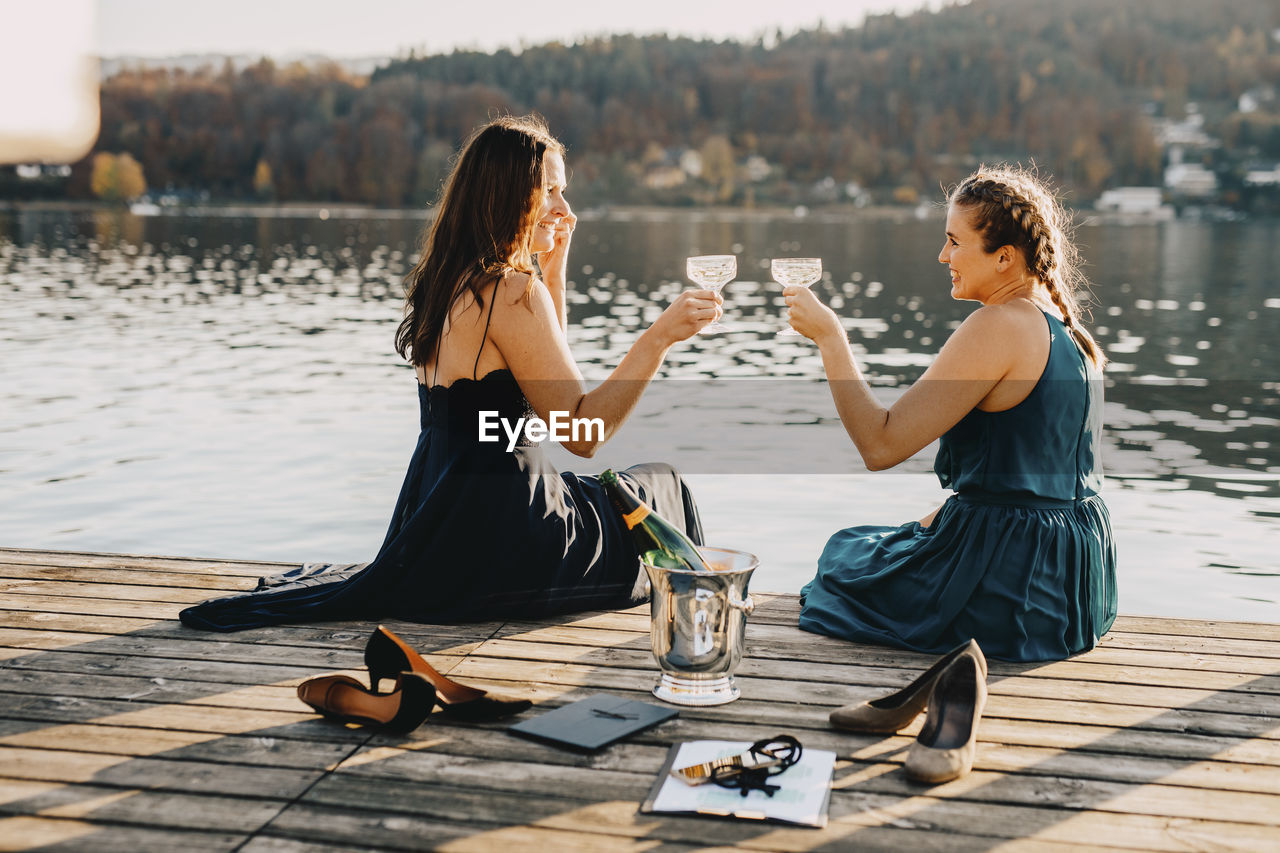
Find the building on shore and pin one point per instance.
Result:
(1135, 203)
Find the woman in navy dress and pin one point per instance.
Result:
(1021, 557)
(481, 532)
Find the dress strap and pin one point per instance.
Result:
(435, 368)
(493, 300)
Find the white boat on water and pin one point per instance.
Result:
(1133, 204)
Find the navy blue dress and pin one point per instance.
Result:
(478, 533)
(1021, 557)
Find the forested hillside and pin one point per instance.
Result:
(894, 106)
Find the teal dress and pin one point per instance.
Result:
(1021, 557)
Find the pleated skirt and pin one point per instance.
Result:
(1029, 581)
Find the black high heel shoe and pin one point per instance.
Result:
(342, 698)
(386, 656)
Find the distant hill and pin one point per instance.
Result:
(193, 63)
(883, 111)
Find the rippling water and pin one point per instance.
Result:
(224, 386)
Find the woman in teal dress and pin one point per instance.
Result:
(1021, 557)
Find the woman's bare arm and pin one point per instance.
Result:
(527, 333)
(989, 346)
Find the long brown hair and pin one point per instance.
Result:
(1013, 207)
(483, 227)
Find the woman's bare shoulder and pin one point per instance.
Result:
(514, 287)
(992, 341)
(527, 305)
(1018, 318)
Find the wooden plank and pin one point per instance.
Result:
(788, 641)
(268, 751)
(993, 756)
(119, 771)
(1217, 628)
(136, 806)
(1127, 741)
(190, 645)
(1124, 740)
(176, 690)
(873, 776)
(53, 622)
(985, 732)
(215, 672)
(823, 696)
(93, 606)
(781, 606)
(1191, 645)
(277, 844)
(36, 685)
(45, 648)
(162, 675)
(783, 643)
(108, 591)
(409, 830)
(879, 822)
(51, 833)
(999, 757)
(787, 607)
(134, 561)
(22, 687)
(770, 606)
(1189, 720)
(69, 574)
(427, 639)
(1256, 694)
(422, 784)
(904, 742)
(772, 641)
(295, 722)
(636, 620)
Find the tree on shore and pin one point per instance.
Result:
(117, 177)
(263, 186)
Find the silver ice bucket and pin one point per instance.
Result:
(697, 625)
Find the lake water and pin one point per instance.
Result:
(226, 386)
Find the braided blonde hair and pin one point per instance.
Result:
(1013, 207)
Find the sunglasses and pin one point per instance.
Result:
(748, 771)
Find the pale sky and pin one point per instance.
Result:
(355, 28)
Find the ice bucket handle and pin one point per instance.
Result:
(746, 605)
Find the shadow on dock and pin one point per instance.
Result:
(130, 732)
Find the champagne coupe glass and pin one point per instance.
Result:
(801, 272)
(712, 272)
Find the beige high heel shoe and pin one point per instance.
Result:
(896, 711)
(944, 748)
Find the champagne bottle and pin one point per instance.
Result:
(661, 543)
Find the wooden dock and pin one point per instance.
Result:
(122, 730)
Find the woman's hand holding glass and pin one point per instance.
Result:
(688, 314)
(809, 317)
(797, 272)
(712, 272)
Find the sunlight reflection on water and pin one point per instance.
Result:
(227, 387)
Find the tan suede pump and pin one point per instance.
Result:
(896, 711)
(944, 748)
